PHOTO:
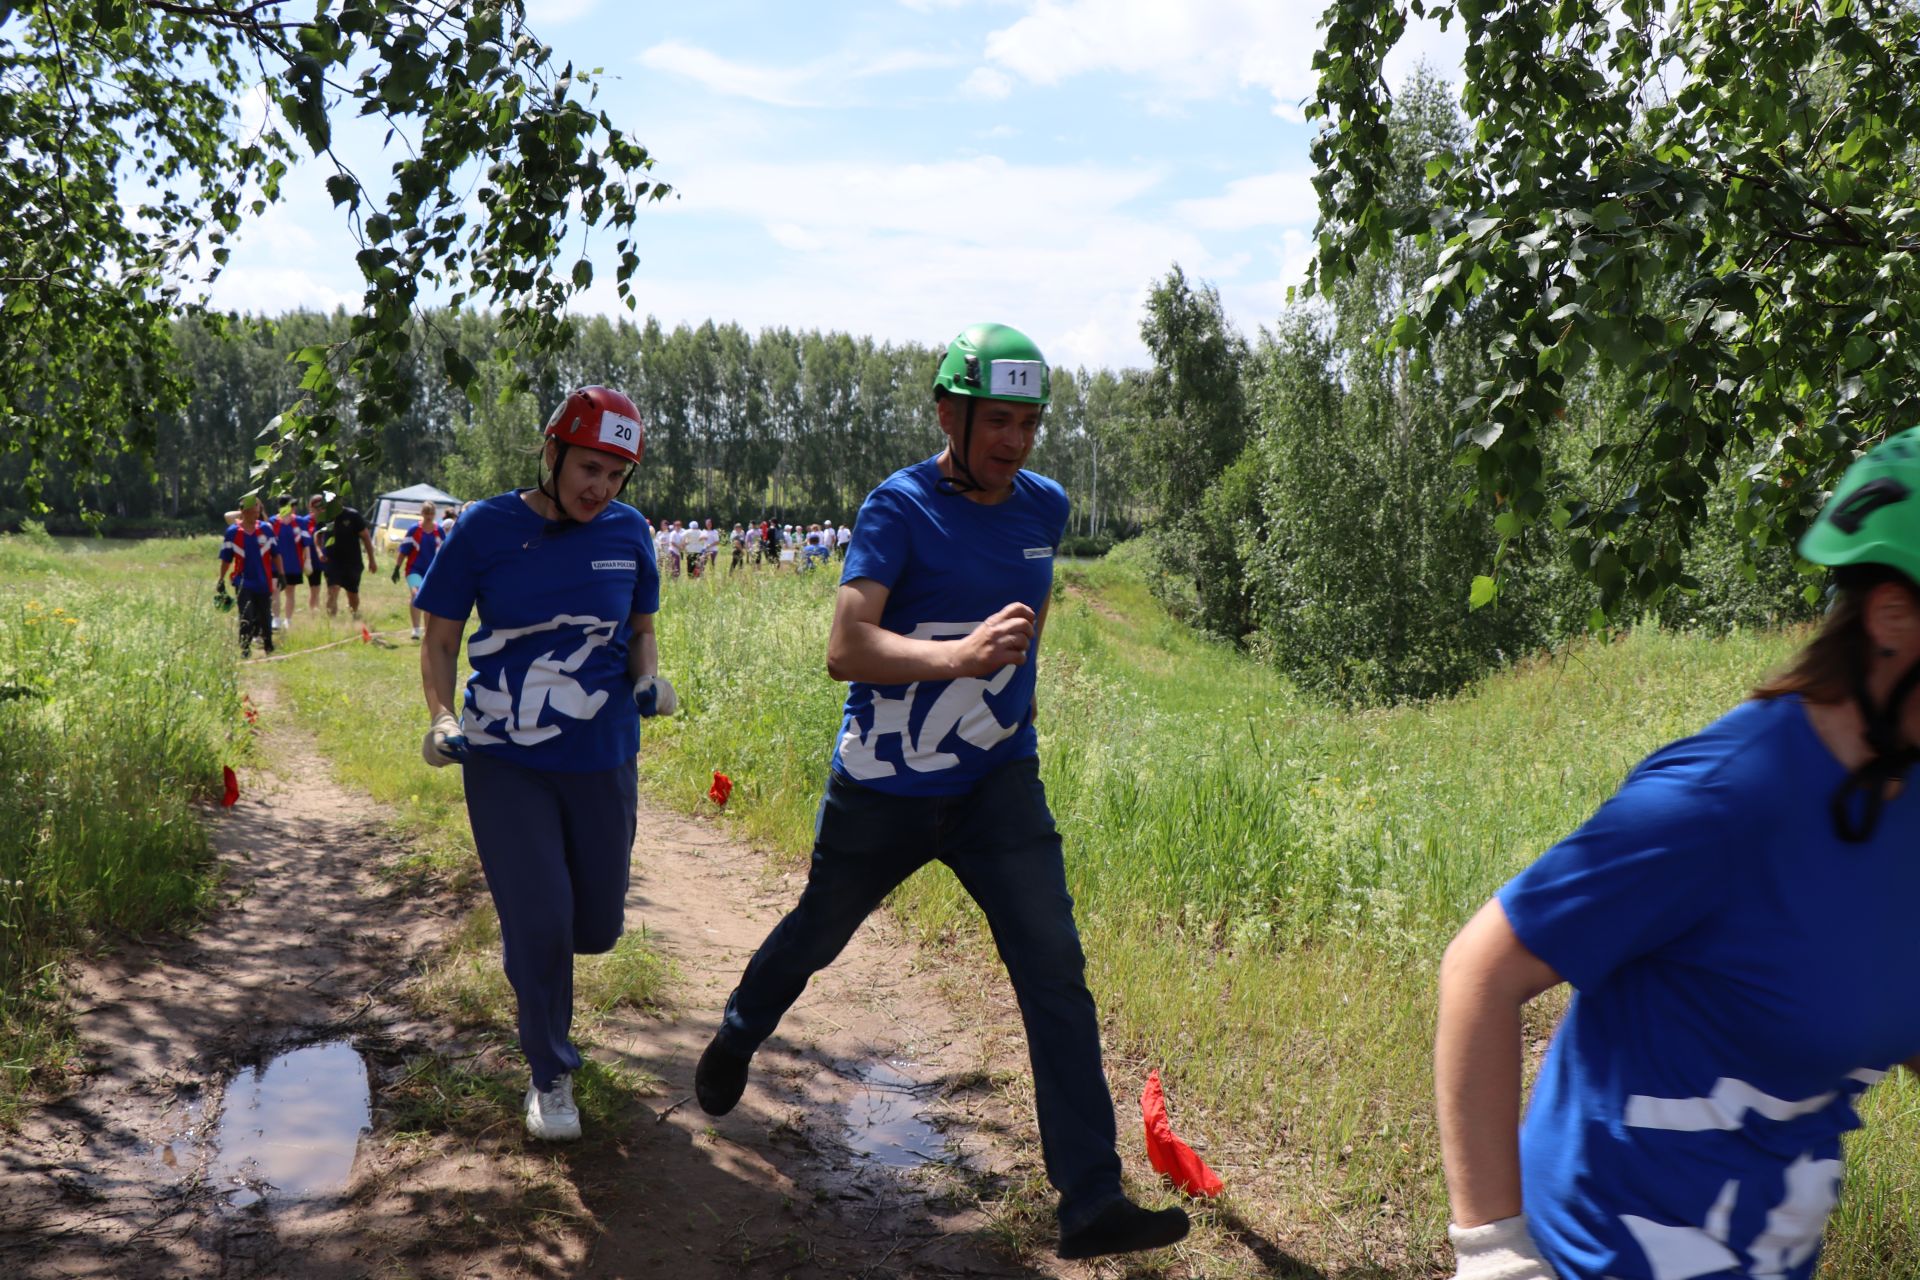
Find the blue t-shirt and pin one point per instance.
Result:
(549, 688)
(419, 546)
(254, 551)
(948, 564)
(1739, 982)
(288, 540)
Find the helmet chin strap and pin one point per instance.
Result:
(954, 484)
(562, 521)
(1890, 761)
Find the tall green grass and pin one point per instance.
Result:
(118, 707)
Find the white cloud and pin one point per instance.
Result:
(1195, 48)
(779, 87)
(819, 83)
(987, 83)
(271, 290)
(917, 251)
(1282, 199)
(789, 235)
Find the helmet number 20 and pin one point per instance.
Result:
(617, 429)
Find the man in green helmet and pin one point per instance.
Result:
(941, 604)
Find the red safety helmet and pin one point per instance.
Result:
(600, 418)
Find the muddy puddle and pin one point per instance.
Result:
(290, 1127)
(887, 1121)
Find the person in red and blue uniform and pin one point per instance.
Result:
(942, 600)
(248, 556)
(1735, 922)
(565, 665)
(290, 541)
(414, 557)
(312, 527)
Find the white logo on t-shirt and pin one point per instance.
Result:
(615, 564)
(549, 682)
(961, 706)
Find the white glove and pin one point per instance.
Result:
(1501, 1250)
(654, 696)
(444, 743)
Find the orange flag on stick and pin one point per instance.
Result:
(232, 792)
(1165, 1151)
(722, 788)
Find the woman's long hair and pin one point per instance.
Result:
(1829, 669)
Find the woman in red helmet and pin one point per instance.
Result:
(564, 665)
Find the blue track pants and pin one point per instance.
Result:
(557, 849)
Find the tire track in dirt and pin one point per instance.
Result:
(119, 1177)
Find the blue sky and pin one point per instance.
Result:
(902, 168)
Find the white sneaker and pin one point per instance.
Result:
(416, 633)
(279, 624)
(552, 1115)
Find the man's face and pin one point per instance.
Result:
(317, 508)
(1003, 435)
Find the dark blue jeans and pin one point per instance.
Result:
(557, 849)
(999, 840)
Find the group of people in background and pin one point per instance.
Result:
(695, 546)
(268, 557)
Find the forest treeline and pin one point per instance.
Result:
(1312, 503)
(1300, 491)
(793, 425)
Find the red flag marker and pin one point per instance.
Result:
(366, 636)
(722, 788)
(1165, 1151)
(233, 786)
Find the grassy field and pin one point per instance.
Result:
(118, 707)
(1264, 884)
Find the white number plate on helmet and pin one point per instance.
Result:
(619, 430)
(1017, 378)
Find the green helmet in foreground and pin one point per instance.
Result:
(994, 362)
(1874, 514)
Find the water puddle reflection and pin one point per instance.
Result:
(290, 1128)
(886, 1118)
(178, 1148)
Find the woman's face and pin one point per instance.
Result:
(588, 481)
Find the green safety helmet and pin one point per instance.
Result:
(1874, 514)
(994, 362)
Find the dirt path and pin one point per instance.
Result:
(128, 1176)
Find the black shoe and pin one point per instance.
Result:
(1123, 1227)
(720, 1078)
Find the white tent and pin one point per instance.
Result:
(393, 512)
